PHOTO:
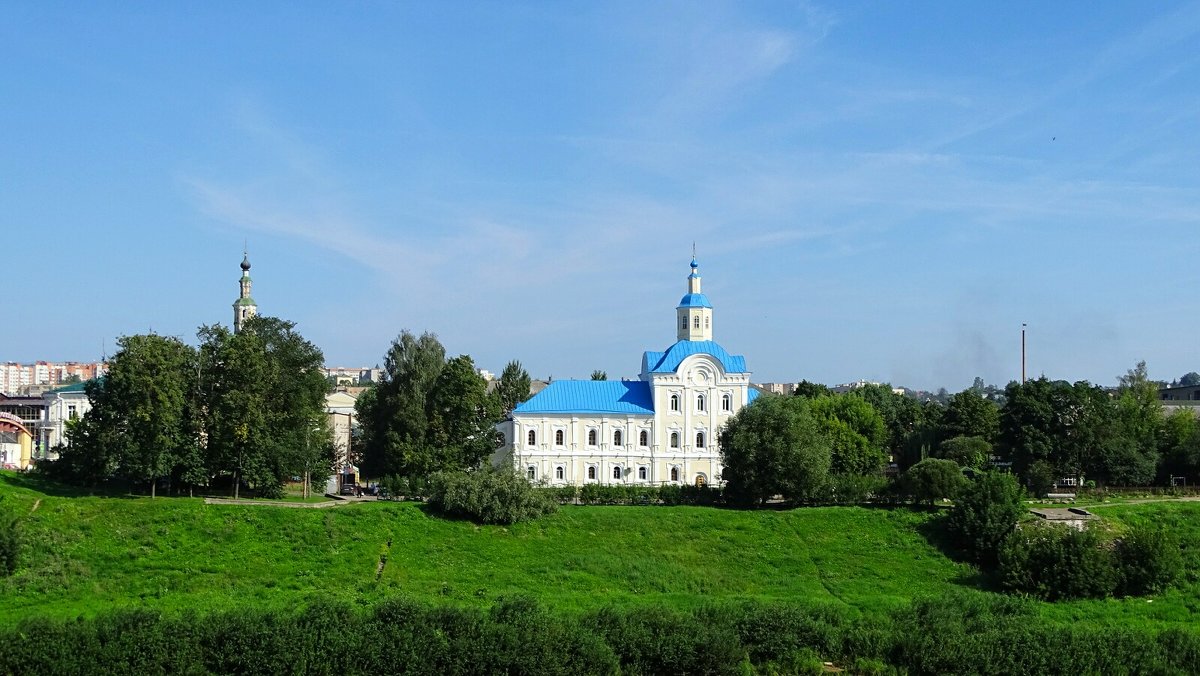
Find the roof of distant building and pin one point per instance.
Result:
(592, 396)
(669, 361)
(67, 389)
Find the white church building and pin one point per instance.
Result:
(660, 429)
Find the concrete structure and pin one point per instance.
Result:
(344, 376)
(662, 428)
(1072, 517)
(244, 307)
(16, 443)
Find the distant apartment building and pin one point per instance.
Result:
(17, 378)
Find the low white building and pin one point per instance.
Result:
(662, 428)
(64, 404)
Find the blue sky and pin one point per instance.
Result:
(876, 190)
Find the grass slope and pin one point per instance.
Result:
(83, 555)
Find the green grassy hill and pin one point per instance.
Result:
(83, 555)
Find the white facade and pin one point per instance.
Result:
(63, 405)
(660, 429)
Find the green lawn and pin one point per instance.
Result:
(86, 554)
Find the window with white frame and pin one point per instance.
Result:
(559, 436)
(591, 473)
(696, 322)
(616, 471)
(643, 438)
(726, 402)
(674, 402)
(532, 472)
(674, 474)
(699, 439)
(700, 402)
(618, 438)
(592, 436)
(642, 474)
(531, 438)
(560, 472)
(674, 439)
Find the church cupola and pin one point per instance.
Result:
(693, 317)
(245, 307)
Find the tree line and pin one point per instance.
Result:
(244, 408)
(1044, 430)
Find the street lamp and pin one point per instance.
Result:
(308, 459)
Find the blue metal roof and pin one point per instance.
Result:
(751, 395)
(592, 396)
(695, 300)
(669, 361)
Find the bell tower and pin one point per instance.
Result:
(693, 317)
(244, 307)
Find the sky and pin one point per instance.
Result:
(880, 191)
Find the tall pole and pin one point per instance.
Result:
(1022, 353)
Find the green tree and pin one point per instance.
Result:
(1055, 422)
(933, 479)
(972, 452)
(513, 387)
(599, 375)
(985, 513)
(1189, 379)
(232, 407)
(856, 433)
(810, 390)
(903, 417)
(143, 402)
(773, 447)
(1179, 446)
(1150, 560)
(970, 415)
(393, 422)
(461, 418)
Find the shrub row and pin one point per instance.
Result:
(961, 634)
(1053, 562)
(488, 496)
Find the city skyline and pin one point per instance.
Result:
(881, 193)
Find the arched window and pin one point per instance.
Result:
(674, 439)
(683, 322)
(699, 439)
(591, 437)
(641, 473)
(726, 402)
(643, 438)
(559, 473)
(674, 474)
(700, 402)
(674, 402)
(696, 322)
(706, 322)
(591, 472)
(618, 438)
(558, 437)
(532, 471)
(616, 471)
(532, 437)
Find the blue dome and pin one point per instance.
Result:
(695, 300)
(695, 264)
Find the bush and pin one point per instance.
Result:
(932, 479)
(489, 496)
(656, 640)
(1053, 562)
(10, 541)
(985, 513)
(1150, 560)
(966, 451)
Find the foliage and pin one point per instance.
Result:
(489, 496)
(774, 447)
(1150, 560)
(512, 388)
(968, 414)
(855, 430)
(933, 479)
(1055, 562)
(985, 513)
(10, 540)
(811, 390)
(429, 414)
(599, 375)
(904, 418)
(1189, 379)
(972, 452)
